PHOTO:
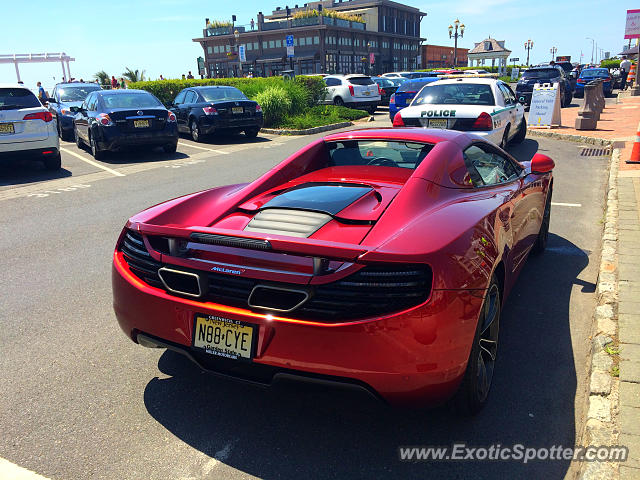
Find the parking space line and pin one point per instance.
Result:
(560, 204)
(95, 164)
(203, 148)
(11, 471)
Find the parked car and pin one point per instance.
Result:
(405, 93)
(203, 111)
(65, 96)
(396, 74)
(376, 259)
(354, 91)
(27, 128)
(111, 120)
(387, 88)
(567, 67)
(589, 74)
(531, 76)
(485, 106)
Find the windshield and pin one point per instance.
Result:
(76, 94)
(595, 72)
(455, 94)
(222, 94)
(131, 100)
(11, 98)
(542, 73)
(377, 152)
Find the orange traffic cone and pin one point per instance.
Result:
(635, 152)
(632, 75)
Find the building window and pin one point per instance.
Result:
(302, 41)
(264, 45)
(255, 45)
(278, 43)
(309, 40)
(248, 46)
(316, 40)
(209, 50)
(272, 44)
(228, 48)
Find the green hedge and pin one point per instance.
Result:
(481, 67)
(321, 115)
(613, 63)
(301, 93)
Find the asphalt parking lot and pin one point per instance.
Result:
(80, 400)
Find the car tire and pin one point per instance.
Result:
(78, 139)
(338, 102)
(505, 138)
(522, 132)
(53, 163)
(251, 132)
(95, 150)
(195, 131)
(474, 389)
(171, 148)
(543, 235)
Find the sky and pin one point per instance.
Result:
(156, 35)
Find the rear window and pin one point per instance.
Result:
(131, 100)
(413, 86)
(595, 72)
(455, 94)
(76, 94)
(382, 153)
(542, 73)
(360, 81)
(222, 94)
(13, 98)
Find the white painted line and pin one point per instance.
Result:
(91, 162)
(203, 148)
(11, 471)
(560, 204)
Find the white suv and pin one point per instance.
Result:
(354, 91)
(27, 128)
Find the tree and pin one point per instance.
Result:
(134, 75)
(102, 77)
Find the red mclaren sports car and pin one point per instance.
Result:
(370, 259)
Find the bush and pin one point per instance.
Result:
(612, 63)
(321, 115)
(276, 104)
(315, 86)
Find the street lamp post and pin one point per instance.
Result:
(553, 51)
(528, 45)
(369, 57)
(236, 35)
(453, 32)
(592, 47)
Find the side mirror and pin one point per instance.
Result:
(541, 164)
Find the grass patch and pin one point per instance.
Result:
(321, 115)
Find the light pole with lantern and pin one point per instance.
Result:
(553, 51)
(236, 36)
(453, 32)
(528, 45)
(369, 58)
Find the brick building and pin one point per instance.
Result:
(385, 37)
(433, 56)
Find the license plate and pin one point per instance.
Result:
(438, 123)
(223, 337)
(367, 92)
(237, 110)
(141, 123)
(7, 128)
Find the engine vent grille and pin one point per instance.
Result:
(285, 221)
(139, 260)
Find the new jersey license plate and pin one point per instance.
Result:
(141, 123)
(223, 337)
(7, 128)
(438, 123)
(237, 110)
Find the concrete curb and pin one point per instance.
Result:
(571, 138)
(308, 131)
(602, 427)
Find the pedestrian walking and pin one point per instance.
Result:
(114, 82)
(42, 95)
(625, 66)
(122, 83)
(184, 77)
(161, 77)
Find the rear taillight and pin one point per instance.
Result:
(580, 80)
(171, 117)
(44, 116)
(483, 122)
(608, 79)
(210, 110)
(381, 91)
(351, 90)
(397, 120)
(392, 99)
(104, 120)
(258, 109)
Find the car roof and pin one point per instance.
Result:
(469, 79)
(77, 84)
(14, 85)
(542, 67)
(200, 87)
(410, 134)
(120, 91)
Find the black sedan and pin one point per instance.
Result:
(114, 119)
(203, 111)
(388, 87)
(550, 74)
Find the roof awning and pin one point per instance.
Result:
(630, 51)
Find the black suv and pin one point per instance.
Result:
(548, 74)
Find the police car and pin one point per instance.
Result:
(475, 103)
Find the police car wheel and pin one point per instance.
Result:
(505, 138)
(522, 132)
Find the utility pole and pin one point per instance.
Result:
(592, 47)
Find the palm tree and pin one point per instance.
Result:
(102, 77)
(134, 75)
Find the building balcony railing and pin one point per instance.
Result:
(311, 21)
(214, 32)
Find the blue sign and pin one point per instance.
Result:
(289, 40)
(242, 52)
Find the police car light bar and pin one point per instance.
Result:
(470, 75)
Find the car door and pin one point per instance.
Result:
(54, 107)
(190, 99)
(81, 119)
(519, 108)
(332, 84)
(176, 108)
(510, 109)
